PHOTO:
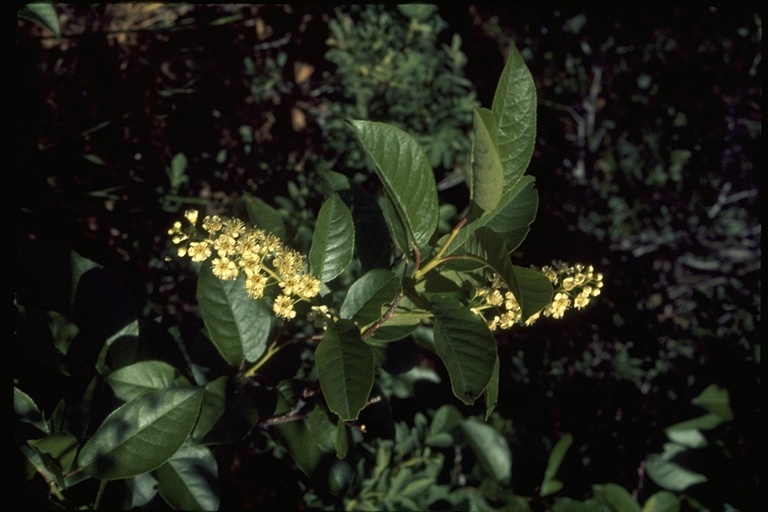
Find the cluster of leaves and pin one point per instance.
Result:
(291, 416)
(163, 411)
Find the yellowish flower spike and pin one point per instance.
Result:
(574, 287)
(261, 256)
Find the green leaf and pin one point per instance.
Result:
(716, 401)
(511, 218)
(345, 368)
(406, 173)
(395, 225)
(190, 479)
(514, 105)
(333, 243)
(668, 474)
(237, 325)
(142, 434)
(550, 484)
(297, 436)
(27, 413)
(342, 443)
(213, 407)
(133, 381)
(486, 170)
(367, 296)
(490, 447)
(491, 392)
(616, 497)
(60, 447)
(264, 216)
(704, 422)
(662, 501)
(372, 240)
(535, 291)
(465, 345)
(43, 14)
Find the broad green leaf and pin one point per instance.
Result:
(140, 378)
(406, 173)
(668, 474)
(616, 497)
(550, 484)
(345, 368)
(60, 448)
(514, 105)
(486, 172)
(190, 479)
(333, 242)
(237, 325)
(511, 218)
(716, 401)
(373, 244)
(42, 13)
(490, 447)
(368, 295)
(142, 489)
(395, 225)
(535, 290)
(264, 216)
(212, 408)
(322, 425)
(142, 434)
(465, 345)
(342, 443)
(491, 392)
(690, 437)
(662, 501)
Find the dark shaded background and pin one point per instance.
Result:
(102, 112)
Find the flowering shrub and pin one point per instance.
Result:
(170, 400)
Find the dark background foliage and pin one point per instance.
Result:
(647, 166)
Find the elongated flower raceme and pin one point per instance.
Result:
(574, 287)
(260, 256)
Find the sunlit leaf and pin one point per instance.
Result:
(44, 14)
(716, 401)
(486, 170)
(142, 434)
(237, 325)
(140, 378)
(669, 474)
(514, 105)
